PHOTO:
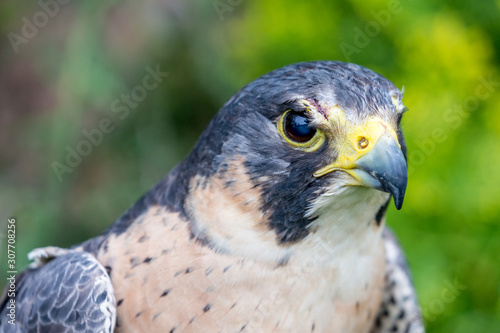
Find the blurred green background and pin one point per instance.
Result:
(61, 75)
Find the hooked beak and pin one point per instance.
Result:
(373, 156)
(384, 168)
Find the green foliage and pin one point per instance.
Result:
(66, 78)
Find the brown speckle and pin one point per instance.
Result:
(143, 239)
(134, 261)
(284, 260)
(166, 292)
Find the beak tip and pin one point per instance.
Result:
(387, 164)
(398, 202)
(398, 194)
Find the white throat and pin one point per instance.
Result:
(346, 216)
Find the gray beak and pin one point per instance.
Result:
(384, 168)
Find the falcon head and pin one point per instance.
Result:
(308, 147)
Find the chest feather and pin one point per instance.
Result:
(165, 280)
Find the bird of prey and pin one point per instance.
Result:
(274, 222)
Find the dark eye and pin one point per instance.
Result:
(297, 127)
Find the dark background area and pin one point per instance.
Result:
(63, 66)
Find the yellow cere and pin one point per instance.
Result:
(355, 141)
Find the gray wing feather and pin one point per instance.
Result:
(69, 293)
(399, 312)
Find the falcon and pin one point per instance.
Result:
(274, 222)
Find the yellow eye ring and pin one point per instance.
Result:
(310, 144)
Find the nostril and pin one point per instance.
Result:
(363, 142)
